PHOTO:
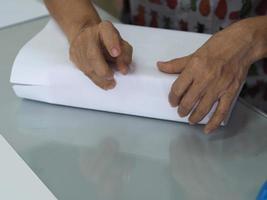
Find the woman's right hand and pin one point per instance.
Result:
(97, 48)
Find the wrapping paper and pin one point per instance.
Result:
(42, 71)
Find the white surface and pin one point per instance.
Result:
(17, 11)
(17, 180)
(43, 72)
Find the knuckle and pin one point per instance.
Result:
(105, 24)
(196, 60)
(198, 64)
(199, 68)
(210, 76)
(88, 72)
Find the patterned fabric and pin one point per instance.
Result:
(204, 16)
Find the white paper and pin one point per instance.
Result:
(17, 180)
(42, 71)
(17, 11)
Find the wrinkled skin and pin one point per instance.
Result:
(215, 72)
(96, 49)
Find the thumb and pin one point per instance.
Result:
(111, 38)
(174, 66)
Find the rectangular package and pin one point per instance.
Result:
(42, 71)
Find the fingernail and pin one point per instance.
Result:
(192, 121)
(111, 78)
(124, 71)
(110, 86)
(173, 105)
(160, 63)
(114, 52)
(182, 112)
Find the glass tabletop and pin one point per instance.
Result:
(85, 154)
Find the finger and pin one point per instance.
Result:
(173, 66)
(96, 60)
(173, 99)
(125, 59)
(203, 108)
(190, 98)
(80, 59)
(222, 109)
(100, 82)
(110, 38)
(179, 87)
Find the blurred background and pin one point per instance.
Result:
(16, 11)
(112, 6)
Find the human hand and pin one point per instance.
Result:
(96, 49)
(215, 72)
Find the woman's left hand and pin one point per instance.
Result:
(215, 72)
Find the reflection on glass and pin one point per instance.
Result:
(218, 169)
(108, 169)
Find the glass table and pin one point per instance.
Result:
(84, 154)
